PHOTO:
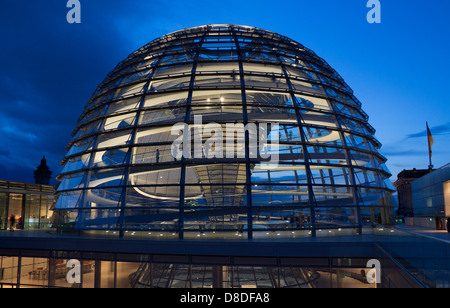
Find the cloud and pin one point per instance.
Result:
(49, 71)
(436, 131)
(402, 152)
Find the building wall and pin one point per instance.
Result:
(405, 198)
(447, 198)
(429, 199)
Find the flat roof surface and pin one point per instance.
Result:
(327, 246)
(320, 246)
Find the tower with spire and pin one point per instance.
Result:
(42, 174)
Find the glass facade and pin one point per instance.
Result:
(407, 260)
(272, 139)
(53, 272)
(31, 205)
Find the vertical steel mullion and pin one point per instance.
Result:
(350, 169)
(183, 159)
(126, 175)
(40, 211)
(131, 147)
(347, 154)
(88, 170)
(247, 142)
(19, 268)
(8, 200)
(91, 162)
(311, 197)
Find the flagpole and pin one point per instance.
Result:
(431, 163)
(430, 143)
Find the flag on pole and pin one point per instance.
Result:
(430, 139)
(430, 145)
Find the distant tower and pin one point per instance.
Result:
(42, 174)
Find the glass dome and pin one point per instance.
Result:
(223, 130)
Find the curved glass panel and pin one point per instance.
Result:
(223, 129)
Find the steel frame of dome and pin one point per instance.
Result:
(119, 173)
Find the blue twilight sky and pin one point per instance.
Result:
(399, 69)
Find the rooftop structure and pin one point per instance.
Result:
(42, 174)
(223, 129)
(223, 156)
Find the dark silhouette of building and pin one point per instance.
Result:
(404, 185)
(42, 174)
